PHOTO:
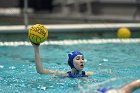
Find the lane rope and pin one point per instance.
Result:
(72, 42)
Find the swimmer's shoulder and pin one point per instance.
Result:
(89, 73)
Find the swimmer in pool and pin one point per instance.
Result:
(75, 61)
(129, 88)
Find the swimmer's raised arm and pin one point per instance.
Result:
(75, 61)
(39, 66)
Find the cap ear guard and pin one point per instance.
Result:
(70, 60)
(103, 90)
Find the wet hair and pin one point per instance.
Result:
(71, 56)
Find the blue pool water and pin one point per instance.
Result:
(114, 64)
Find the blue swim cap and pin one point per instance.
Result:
(72, 56)
(103, 90)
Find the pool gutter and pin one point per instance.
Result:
(71, 27)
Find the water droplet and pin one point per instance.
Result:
(12, 67)
(1, 66)
(105, 60)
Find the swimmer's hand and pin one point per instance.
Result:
(35, 45)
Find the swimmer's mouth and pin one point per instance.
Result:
(82, 65)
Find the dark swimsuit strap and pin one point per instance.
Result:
(76, 75)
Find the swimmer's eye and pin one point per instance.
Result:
(78, 58)
(83, 58)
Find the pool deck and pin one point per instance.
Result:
(69, 27)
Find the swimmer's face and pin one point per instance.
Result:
(78, 62)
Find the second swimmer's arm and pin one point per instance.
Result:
(129, 88)
(39, 66)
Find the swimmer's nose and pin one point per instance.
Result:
(81, 61)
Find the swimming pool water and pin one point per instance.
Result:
(114, 64)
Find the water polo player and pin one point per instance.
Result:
(75, 61)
